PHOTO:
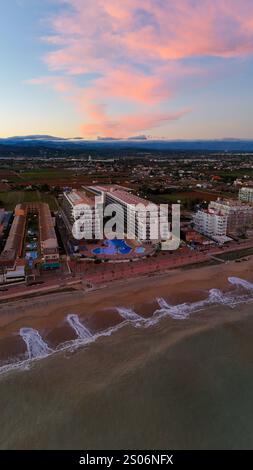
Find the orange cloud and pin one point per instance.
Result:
(135, 52)
(128, 85)
(126, 125)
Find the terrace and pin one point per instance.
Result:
(114, 250)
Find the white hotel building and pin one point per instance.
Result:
(77, 206)
(211, 223)
(140, 219)
(246, 195)
(240, 216)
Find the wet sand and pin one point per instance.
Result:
(97, 307)
(172, 384)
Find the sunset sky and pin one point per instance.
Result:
(176, 69)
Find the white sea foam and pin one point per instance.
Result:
(180, 311)
(217, 296)
(36, 347)
(183, 311)
(129, 314)
(19, 365)
(109, 331)
(81, 331)
(162, 302)
(237, 281)
(42, 350)
(176, 312)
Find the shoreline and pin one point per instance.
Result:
(177, 286)
(135, 359)
(170, 332)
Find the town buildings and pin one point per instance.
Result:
(139, 219)
(211, 223)
(246, 194)
(224, 217)
(77, 206)
(12, 258)
(239, 216)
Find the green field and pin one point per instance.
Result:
(10, 199)
(169, 198)
(231, 175)
(186, 197)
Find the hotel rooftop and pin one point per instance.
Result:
(109, 188)
(121, 193)
(14, 245)
(79, 197)
(130, 199)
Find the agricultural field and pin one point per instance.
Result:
(45, 174)
(57, 177)
(9, 199)
(184, 197)
(232, 174)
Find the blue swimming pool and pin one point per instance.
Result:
(31, 246)
(31, 256)
(140, 250)
(113, 247)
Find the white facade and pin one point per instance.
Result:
(210, 223)
(138, 218)
(246, 195)
(240, 216)
(141, 219)
(229, 206)
(79, 207)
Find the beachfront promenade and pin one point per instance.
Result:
(96, 274)
(86, 275)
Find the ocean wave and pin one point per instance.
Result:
(238, 282)
(129, 314)
(38, 349)
(70, 346)
(81, 331)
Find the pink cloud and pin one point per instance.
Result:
(59, 84)
(126, 125)
(131, 86)
(135, 51)
(164, 29)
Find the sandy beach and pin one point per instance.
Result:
(98, 308)
(178, 286)
(143, 385)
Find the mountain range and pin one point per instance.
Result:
(138, 142)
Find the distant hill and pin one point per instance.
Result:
(138, 143)
(25, 138)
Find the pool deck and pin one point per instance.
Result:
(89, 251)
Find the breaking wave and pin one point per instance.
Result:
(129, 314)
(38, 349)
(81, 331)
(162, 302)
(238, 282)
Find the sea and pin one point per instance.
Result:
(163, 377)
